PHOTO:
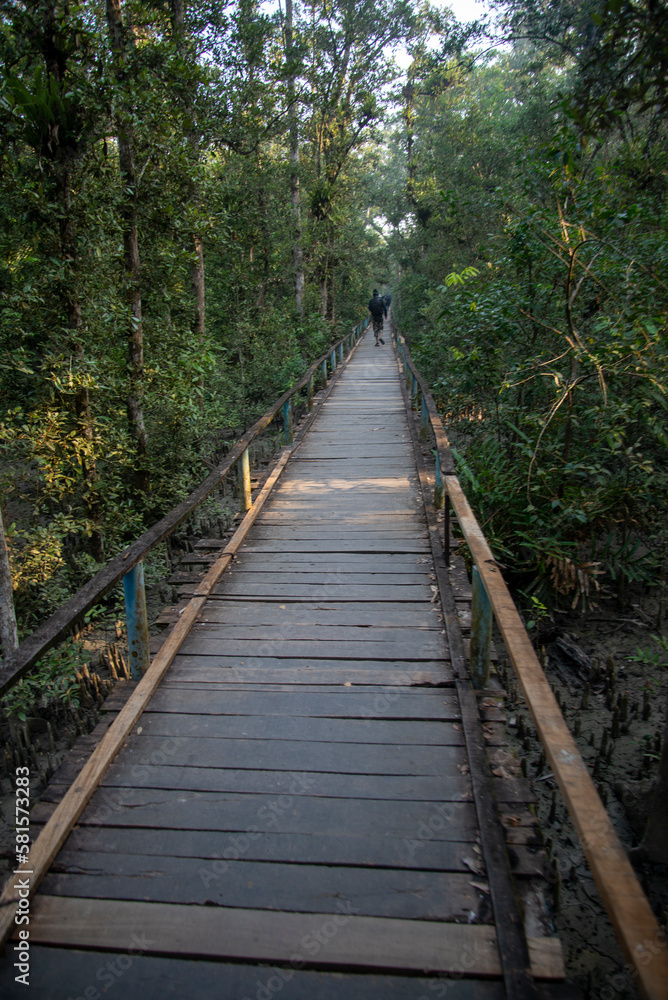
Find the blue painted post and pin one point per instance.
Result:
(414, 389)
(287, 421)
(324, 372)
(137, 622)
(341, 352)
(438, 485)
(424, 421)
(481, 633)
(245, 481)
(332, 360)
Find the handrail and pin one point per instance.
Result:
(638, 933)
(60, 623)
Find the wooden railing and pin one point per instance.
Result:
(128, 565)
(638, 933)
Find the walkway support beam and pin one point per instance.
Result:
(481, 633)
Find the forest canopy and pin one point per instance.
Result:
(197, 197)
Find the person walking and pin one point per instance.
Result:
(378, 311)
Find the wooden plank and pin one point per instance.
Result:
(279, 727)
(323, 577)
(324, 591)
(405, 893)
(325, 613)
(353, 941)
(149, 770)
(337, 532)
(332, 687)
(348, 562)
(228, 670)
(315, 648)
(189, 666)
(367, 707)
(308, 814)
(293, 755)
(68, 972)
(384, 850)
(224, 632)
(324, 545)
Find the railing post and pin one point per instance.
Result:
(414, 389)
(324, 373)
(332, 360)
(340, 352)
(243, 468)
(287, 421)
(438, 485)
(137, 622)
(446, 530)
(481, 632)
(424, 421)
(309, 394)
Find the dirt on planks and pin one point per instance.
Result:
(614, 704)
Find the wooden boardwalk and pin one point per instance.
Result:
(293, 815)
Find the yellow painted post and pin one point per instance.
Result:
(244, 480)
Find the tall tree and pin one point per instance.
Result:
(295, 194)
(122, 43)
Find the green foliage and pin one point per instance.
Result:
(535, 300)
(54, 678)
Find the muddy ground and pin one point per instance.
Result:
(598, 649)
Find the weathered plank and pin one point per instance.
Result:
(325, 613)
(376, 851)
(324, 591)
(308, 814)
(314, 648)
(430, 640)
(57, 972)
(160, 769)
(409, 894)
(406, 670)
(368, 707)
(353, 941)
(223, 671)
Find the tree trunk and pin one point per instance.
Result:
(56, 56)
(121, 39)
(323, 294)
(197, 267)
(297, 250)
(9, 638)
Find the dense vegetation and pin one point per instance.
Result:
(532, 242)
(196, 198)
